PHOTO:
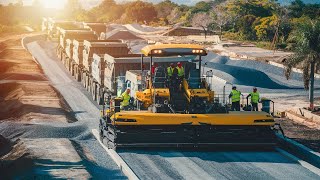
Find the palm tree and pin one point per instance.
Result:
(307, 53)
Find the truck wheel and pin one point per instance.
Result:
(75, 72)
(94, 91)
(58, 52)
(70, 65)
(72, 69)
(63, 60)
(88, 83)
(101, 135)
(78, 74)
(67, 64)
(84, 79)
(98, 94)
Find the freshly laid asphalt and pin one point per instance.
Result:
(151, 164)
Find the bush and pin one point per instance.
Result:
(232, 36)
(263, 44)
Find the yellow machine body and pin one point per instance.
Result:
(232, 118)
(190, 93)
(146, 96)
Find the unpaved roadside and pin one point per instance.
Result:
(25, 92)
(36, 140)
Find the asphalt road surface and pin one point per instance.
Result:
(163, 164)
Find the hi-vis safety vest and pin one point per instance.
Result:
(180, 71)
(125, 99)
(255, 96)
(170, 71)
(235, 95)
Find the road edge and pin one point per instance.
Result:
(116, 158)
(300, 150)
(303, 163)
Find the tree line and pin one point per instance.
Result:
(253, 20)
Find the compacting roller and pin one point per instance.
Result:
(190, 116)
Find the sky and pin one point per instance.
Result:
(87, 4)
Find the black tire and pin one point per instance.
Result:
(98, 94)
(63, 59)
(88, 84)
(78, 75)
(72, 69)
(94, 91)
(67, 64)
(101, 135)
(83, 79)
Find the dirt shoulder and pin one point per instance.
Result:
(26, 97)
(25, 92)
(303, 134)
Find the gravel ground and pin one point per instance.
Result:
(92, 157)
(265, 75)
(301, 133)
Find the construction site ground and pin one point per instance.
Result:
(47, 118)
(35, 139)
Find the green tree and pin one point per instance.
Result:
(202, 20)
(307, 53)
(266, 28)
(139, 11)
(312, 11)
(165, 8)
(202, 6)
(296, 8)
(246, 27)
(106, 11)
(72, 8)
(220, 17)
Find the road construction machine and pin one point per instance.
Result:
(187, 116)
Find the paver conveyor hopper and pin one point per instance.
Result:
(190, 116)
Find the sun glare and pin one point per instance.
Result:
(54, 4)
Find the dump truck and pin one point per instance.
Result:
(106, 67)
(44, 25)
(174, 121)
(54, 27)
(77, 59)
(114, 48)
(80, 34)
(69, 62)
(96, 27)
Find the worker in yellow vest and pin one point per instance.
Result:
(125, 96)
(235, 96)
(180, 70)
(170, 70)
(255, 97)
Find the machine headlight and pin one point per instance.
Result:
(157, 51)
(197, 51)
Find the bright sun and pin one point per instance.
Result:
(55, 4)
